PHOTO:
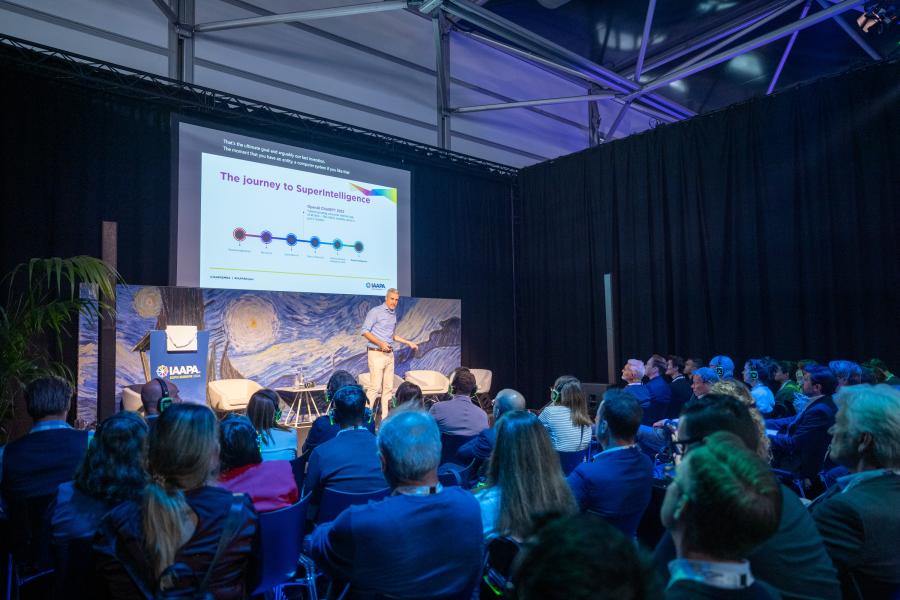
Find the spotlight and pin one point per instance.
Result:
(878, 15)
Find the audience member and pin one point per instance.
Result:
(882, 374)
(794, 559)
(660, 394)
(278, 441)
(801, 366)
(480, 448)
(722, 505)
(164, 543)
(424, 541)
(580, 557)
(858, 517)
(756, 375)
(324, 428)
(691, 365)
(33, 466)
(460, 415)
(617, 484)
(349, 461)
(156, 395)
(802, 441)
(680, 385)
(723, 366)
(702, 380)
(524, 479)
(787, 388)
(846, 372)
(112, 472)
(269, 484)
(408, 397)
(633, 375)
(566, 417)
(739, 391)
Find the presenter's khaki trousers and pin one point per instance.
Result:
(381, 379)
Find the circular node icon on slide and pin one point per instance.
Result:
(239, 233)
(291, 239)
(266, 237)
(358, 246)
(315, 242)
(337, 244)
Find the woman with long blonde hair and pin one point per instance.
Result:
(166, 541)
(525, 479)
(566, 417)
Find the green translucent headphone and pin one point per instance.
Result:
(554, 395)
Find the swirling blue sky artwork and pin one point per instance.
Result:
(269, 337)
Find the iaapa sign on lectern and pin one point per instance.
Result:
(181, 361)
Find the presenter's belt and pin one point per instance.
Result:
(379, 350)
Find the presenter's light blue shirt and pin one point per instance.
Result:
(380, 322)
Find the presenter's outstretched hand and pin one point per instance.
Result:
(414, 346)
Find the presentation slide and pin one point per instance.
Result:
(259, 215)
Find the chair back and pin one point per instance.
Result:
(73, 566)
(498, 560)
(483, 378)
(450, 444)
(449, 478)
(334, 502)
(231, 394)
(569, 460)
(281, 543)
(431, 382)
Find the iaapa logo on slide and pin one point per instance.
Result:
(375, 286)
(178, 371)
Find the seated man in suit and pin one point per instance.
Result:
(617, 484)
(349, 461)
(793, 560)
(633, 375)
(459, 415)
(722, 505)
(723, 366)
(506, 400)
(679, 384)
(660, 394)
(787, 387)
(858, 517)
(423, 541)
(802, 440)
(33, 467)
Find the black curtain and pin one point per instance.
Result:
(75, 154)
(769, 228)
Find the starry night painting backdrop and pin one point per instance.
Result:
(268, 337)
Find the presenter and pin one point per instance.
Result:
(378, 329)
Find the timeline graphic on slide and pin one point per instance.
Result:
(291, 239)
(270, 227)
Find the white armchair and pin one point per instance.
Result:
(230, 395)
(483, 378)
(432, 382)
(131, 398)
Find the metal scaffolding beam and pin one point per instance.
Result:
(166, 10)
(854, 34)
(787, 51)
(539, 102)
(181, 41)
(639, 66)
(556, 55)
(442, 68)
(304, 15)
(753, 44)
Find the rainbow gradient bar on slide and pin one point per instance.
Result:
(389, 193)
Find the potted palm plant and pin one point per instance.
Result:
(41, 304)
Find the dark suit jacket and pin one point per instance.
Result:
(861, 529)
(803, 440)
(660, 397)
(681, 393)
(642, 393)
(785, 397)
(35, 465)
(616, 486)
(323, 430)
(684, 589)
(480, 447)
(793, 560)
(348, 463)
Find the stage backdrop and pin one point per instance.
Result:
(267, 336)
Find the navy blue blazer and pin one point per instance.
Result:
(348, 463)
(405, 546)
(323, 430)
(660, 397)
(681, 393)
(616, 486)
(803, 440)
(641, 392)
(480, 447)
(35, 465)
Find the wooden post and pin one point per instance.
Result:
(106, 360)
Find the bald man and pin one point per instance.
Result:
(506, 400)
(155, 390)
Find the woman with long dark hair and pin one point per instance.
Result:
(270, 484)
(278, 442)
(566, 417)
(112, 471)
(166, 540)
(525, 479)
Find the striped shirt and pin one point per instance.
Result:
(565, 436)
